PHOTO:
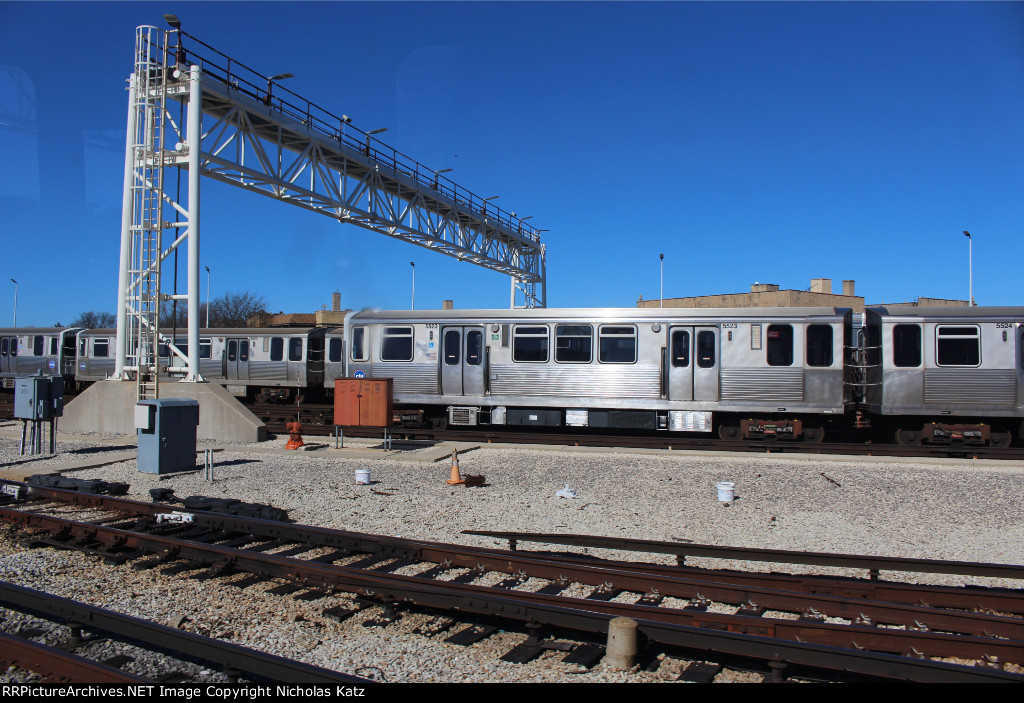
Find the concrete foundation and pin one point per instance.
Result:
(109, 407)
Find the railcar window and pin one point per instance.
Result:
(182, 344)
(359, 348)
(474, 347)
(680, 348)
(100, 347)
(232, 350)
(529, 343)
(705, 349)
(205, 349)
(452, 342)
(617, 344)
(37, 345)
(958, 346)
(396, 344)
(163, 351)
(334, 349)
(277, 348)
(14, 346)
(3, 346)
(82, 346)
(243, 350)
(906, 345)
(819, 345)
(295, 349)
(573, 344)
(53, 346)
(780, 345)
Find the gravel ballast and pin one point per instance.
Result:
(956, 510)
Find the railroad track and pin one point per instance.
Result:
(178, 649)
(786, 625)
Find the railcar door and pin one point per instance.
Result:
(705, 369)
(680, 363)
(5, 354)
(236, 359)
(462, 361)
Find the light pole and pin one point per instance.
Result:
(270, 85)
(15, 302)
(413, 264)
(661, 298)
(373, 131)
(207, 296)
(970, 269)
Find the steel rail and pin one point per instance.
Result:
(976, 598)
(609, 574)
(852, 561)
(59, 666)
(224, 654)
(574, 613)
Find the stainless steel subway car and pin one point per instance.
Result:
(741, 372)
(264, 363)
(30, 350)
(935, 374)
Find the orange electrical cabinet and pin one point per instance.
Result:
(363, 402)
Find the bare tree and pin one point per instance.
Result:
(95, 320)
(233, 309)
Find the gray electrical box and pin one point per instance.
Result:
(38, 397)
(167, 434)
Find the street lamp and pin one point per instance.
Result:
(207, 296)
(413, 264)
(15, 302)
(661, 298)
(970, 269)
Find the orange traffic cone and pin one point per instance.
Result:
(456, 479)
(294, 435)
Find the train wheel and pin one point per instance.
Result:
(1000, 440)
(814, 435)
(728, 432)
(909, 438)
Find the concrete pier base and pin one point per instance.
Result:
(109, 407)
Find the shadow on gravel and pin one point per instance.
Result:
(97, 450)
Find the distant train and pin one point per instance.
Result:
(925, 374)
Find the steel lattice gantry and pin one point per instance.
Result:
(217, 118)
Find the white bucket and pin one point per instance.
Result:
(726, 491)
(363, 477)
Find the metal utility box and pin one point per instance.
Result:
(363, 402)
(38, 397)
(167, 434)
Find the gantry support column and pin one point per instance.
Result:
(121, 342)
(195, 134)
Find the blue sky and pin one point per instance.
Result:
(770, 142)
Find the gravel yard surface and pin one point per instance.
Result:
(959, 510)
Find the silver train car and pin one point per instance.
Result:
(941, 374)
(264, 364)
(738, 372)
(30, 350)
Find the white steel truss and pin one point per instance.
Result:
(239, 132)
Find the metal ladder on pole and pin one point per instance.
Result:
(147, 219)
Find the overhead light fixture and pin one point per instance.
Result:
(173, 21)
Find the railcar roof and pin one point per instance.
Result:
(221, 331)
(34, 330)
(957, 313)
(644, 314)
